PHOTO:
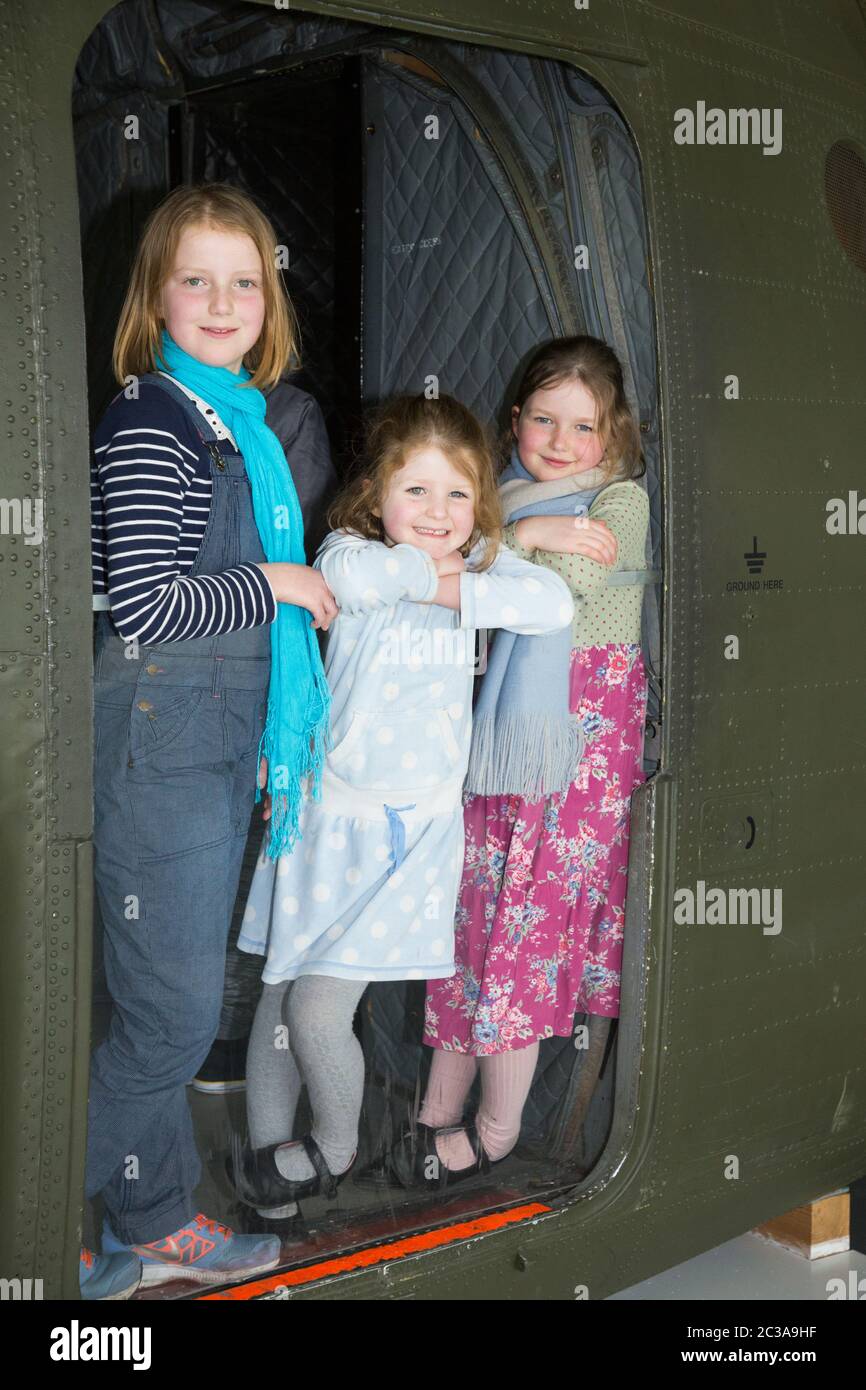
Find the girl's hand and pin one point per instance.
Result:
(263, 782)
(570, 535)
(305, 587)
(451, 564)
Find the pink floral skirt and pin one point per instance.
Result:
(541, 908)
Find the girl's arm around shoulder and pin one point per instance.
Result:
(624, 509)
(365, 576)
(515, 594)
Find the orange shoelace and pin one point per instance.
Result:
(189, 1244)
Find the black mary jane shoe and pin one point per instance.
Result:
(405, 1164)
(414, 1161)
(258, 1181)
(449, 1176)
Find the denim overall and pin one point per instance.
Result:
(177, 730)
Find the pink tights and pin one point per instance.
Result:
(505, 1081)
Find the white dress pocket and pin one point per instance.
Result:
(396, 751)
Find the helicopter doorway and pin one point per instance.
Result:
(439, 204)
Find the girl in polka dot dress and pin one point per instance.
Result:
(541, 909)
(415, 565)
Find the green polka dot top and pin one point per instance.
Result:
(607, 614)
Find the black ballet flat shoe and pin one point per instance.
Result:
(258, 1181)
(482, 1165)
(414, 1161)
(404, 1164)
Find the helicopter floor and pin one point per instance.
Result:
(363, 1223)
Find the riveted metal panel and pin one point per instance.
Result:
(45, 665)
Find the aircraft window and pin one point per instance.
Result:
(428, 236)
(845, 191)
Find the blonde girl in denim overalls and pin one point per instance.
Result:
(204, 662)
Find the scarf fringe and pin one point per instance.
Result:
(533, 758)
(284, 830)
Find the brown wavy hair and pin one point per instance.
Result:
(594, 364)
(395, 429)
(226, 209)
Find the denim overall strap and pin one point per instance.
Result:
(231, 538)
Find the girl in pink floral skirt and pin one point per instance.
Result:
(540, 915)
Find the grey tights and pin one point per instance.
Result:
(302, 1035)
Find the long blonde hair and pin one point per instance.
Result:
(394, 430)
(218, 206)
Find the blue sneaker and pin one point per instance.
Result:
(203, 1250)
(108, 1276)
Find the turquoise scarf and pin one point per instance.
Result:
(299, 700)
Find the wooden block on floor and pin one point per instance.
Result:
(818, 1228)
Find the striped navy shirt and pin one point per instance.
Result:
(150, 502)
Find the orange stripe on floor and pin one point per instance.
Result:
(378, 1254)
